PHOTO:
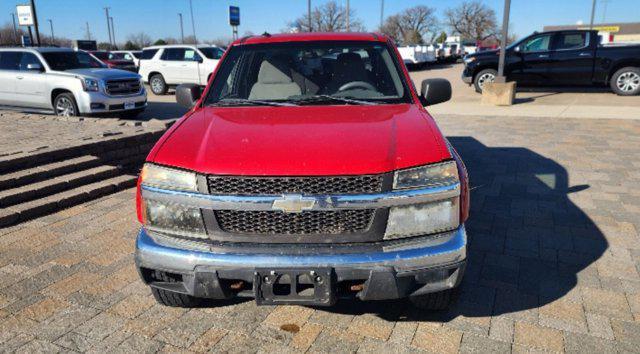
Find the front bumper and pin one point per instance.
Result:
(98, 102)
(391, 269)
(467, 75)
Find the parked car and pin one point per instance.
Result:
(417, 55)
(130, 55)
(112, 62)
(571, 57)
(68, 82)
(167, 66)
(304, 188)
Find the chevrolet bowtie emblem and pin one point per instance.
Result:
(293, 203)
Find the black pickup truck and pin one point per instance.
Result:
(560, 58)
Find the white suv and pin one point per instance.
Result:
(171, 65)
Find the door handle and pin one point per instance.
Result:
(584, 54)
(19, 77)
(543, 56)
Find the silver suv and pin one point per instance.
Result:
(68, 82)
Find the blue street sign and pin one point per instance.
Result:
(234, 16)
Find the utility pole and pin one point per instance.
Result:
(106, 10)
(113, 33)
(181, 29)
(505, 33)
(309, 15)
(193, 24)
(593, 13)
(35, 21)
(53, 38)
(15, 29)
(348, 24)
(381, 14)
(88, 31)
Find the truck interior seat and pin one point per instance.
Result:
(274, 82)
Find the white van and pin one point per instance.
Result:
(171, 65)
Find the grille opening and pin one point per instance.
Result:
(123, 87)
(308, 222)
(282, 285)
(304, 285)
(236, 185)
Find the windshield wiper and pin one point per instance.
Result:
(325, 98)
(246, 102)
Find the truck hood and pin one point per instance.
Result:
(299, 141)
(103, 73)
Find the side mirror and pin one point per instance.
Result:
(187, 95)
(517, 49)
(35, 67)
(434, 91)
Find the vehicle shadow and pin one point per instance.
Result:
(527, 240)
(162, 111)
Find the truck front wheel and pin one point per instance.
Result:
(484, 76)
(170, 298)
(626, 81)
(432, 301)
(65, 105)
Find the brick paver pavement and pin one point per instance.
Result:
(554, 265)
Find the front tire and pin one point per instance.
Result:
(158, 85)
(484, 76)
(170, 298)
(65, 105)
(626, 81)
(433, 301)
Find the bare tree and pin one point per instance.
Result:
(190, 40)
(329, 17)
(7, 36)
(140, 39)
(411, 25)
(472, 20)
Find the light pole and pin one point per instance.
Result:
(181, 29)
(113, 31)
(15, 29)
(505, 33)
(309, 15)
(381, 13)
(53, 38)
(35, 21)
(593, 13)
(193, 24)
(88, 32)
(348, 24)
(106, 9)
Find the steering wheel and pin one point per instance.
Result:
(357, 84)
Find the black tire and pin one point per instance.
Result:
(170, 298)
(65, 105)
(629, 84)
(158, 85)
(131, 114)
(432, 301)
(482, 77)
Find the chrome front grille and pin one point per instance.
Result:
(308, 222)
(123, 87)
(237, 185)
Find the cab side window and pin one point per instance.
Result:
(28, 58)
(537, 44)
(10, 60)
(571, 41)
(174, 54)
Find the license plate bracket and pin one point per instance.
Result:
(294, 286)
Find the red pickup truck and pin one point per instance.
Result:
(307, 171)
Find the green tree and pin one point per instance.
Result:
(131, 46)
(441, 38)
(160, 42)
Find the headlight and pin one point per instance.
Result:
(440, 174)
(469, 60)
(167, 178)
(174, 218)
(422, 219)
(90, 84)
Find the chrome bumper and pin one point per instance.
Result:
(85, 99)
(410, 255)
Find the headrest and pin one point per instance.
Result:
(273, 71)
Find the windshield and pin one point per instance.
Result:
(211, 52)
(310, 73)
(61, 61)
(116, 56)
(101, 55)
